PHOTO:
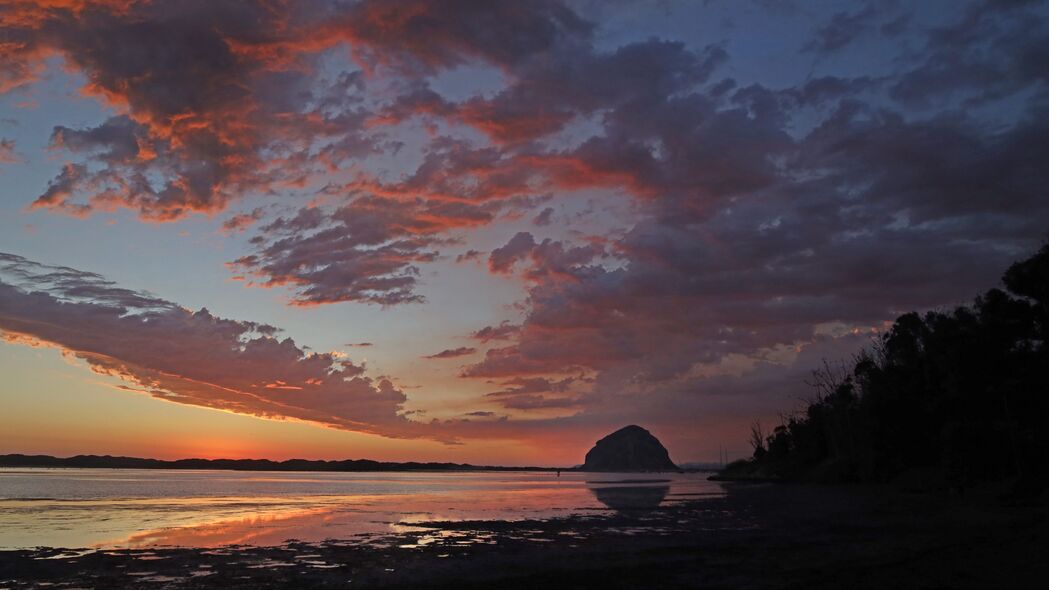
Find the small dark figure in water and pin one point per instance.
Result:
(558, 473)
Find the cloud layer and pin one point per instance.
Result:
(190, 357)
(766, 216)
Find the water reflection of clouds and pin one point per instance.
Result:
(258, 529)
(272, 520)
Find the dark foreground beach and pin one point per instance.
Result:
(757, 536)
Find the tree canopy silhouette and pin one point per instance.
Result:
(963, 393)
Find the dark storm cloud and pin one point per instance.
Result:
(830, 89)
(442, 33)
(843, 29)
(756, 236)
(995, 49)
(583, 81)
(835, 246)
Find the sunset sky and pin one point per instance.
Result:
(488, 232)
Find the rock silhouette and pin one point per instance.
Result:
(629, 449)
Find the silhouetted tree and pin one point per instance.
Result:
(757, 439)
(965, 392)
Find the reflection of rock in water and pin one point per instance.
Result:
(631, 498)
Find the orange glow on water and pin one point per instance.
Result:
(311, 507)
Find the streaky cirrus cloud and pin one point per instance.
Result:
(427, 35)
(192, 357)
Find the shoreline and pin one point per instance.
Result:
(757, 535)
(19, 461)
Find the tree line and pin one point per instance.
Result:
(963, 394)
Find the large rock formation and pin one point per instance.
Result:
(629, 449)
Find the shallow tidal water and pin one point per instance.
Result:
(129, 508)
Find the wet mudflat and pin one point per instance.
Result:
(755, 536)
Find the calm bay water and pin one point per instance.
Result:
(118, 508)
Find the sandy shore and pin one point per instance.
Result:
(757, 536)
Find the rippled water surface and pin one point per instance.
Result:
(116, 508)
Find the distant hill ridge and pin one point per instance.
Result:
(110, 462)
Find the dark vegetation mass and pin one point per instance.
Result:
(961, 396)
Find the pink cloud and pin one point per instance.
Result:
(451, 353)
(193, 358)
